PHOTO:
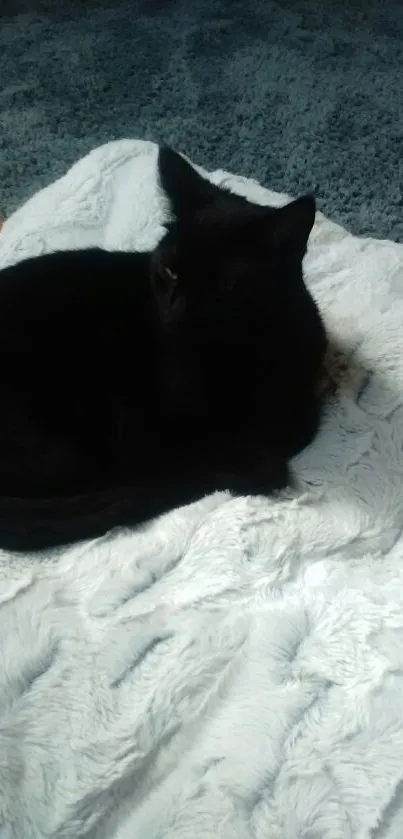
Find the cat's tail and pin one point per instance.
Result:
(36, 524)
(39, 524)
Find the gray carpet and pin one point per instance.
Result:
(301, 94)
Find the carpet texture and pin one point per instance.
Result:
(300, 94)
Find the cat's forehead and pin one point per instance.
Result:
(229, 220)
(230, 210)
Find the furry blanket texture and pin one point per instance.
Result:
(235, 668)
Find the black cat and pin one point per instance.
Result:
(135, 383)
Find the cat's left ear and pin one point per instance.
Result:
(187, 191)
(290, 226)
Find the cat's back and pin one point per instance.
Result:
(76, 310)
(49, 282)
(76, 302)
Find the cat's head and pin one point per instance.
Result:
(229, 271)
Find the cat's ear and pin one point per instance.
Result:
(186, 190)
(290, 226)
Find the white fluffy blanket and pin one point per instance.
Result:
(234, 669)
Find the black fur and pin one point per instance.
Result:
(134, 383)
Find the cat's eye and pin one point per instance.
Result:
(171, 274)
(167, 276)
(166, 280)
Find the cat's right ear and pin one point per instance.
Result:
(186, 190)
(291, 225)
